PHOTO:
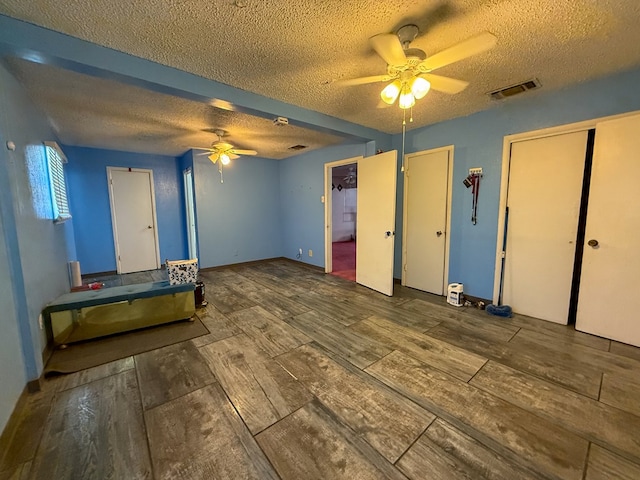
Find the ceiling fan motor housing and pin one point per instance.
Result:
(407, 34)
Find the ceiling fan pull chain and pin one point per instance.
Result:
(404, 129)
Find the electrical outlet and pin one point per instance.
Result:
(311, 253)
(41, 322)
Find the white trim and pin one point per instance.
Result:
(113, 215)
(328, 228)
(504, 180)
(192, 234)
(407, 162)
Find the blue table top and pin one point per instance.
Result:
(89, 298)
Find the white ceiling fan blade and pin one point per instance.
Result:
(445, 84)
(200, 148)
(467, 48)
(363, 80)
(205, 153)
(233, 156)
(388, 46)
(244, 152)
(222, 146)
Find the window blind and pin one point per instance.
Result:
(56, 160)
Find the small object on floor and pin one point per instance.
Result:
(199, 295)
(88, 286)
(455, 294)
(499, 310)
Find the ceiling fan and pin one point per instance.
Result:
(351, 177)
(409, 69)
(223, 151)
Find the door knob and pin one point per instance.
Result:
(439, 232)
(149, 226)
(593, 243)
(388, 233)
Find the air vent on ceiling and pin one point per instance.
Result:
(515, 89)
(298, 147)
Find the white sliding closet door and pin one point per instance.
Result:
(545, 187)
(610, 268)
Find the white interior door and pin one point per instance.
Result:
(426, 190)
(545, 188)
(133, 217)
(610, 269)
(376, 221)
(190, 213)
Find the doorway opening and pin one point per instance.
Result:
(344, 193)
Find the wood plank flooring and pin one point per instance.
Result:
(308, 376)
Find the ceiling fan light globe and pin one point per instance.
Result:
(407, 100)
(224, 158)
(390, 93)
(420, 87)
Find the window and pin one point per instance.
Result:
(55, 161)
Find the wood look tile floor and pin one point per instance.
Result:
(308, 376)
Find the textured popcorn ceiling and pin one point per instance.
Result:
(291, 51)
(89, 111)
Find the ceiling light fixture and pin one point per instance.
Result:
(420, 87)
(223, 151)
(406, 100)
(390, 93)
(409, 88)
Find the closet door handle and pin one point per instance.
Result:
(593, 243)
(438, 233)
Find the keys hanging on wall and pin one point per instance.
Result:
(473, 181)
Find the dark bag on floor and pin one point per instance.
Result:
(199, 294)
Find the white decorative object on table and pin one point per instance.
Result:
(182, 271)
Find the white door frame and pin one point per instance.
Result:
(113, 213)
(328, 227)
(407, 163)
(504, 180)
(192, 234)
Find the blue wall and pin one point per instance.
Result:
(302, 186)
(33, 251)
(89, 203)
(478, 141)
(13, 375)
(238, 220)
